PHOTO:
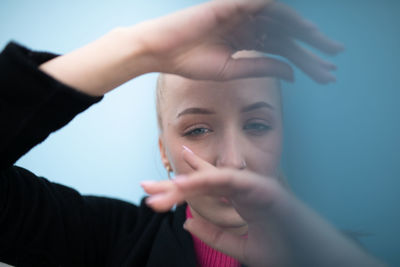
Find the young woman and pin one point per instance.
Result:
(223, 140)
(236, 205)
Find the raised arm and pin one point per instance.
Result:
(198, 43)
(32, 104)
(40, 93)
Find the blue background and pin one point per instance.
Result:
(342, 144)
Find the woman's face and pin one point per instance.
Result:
(235, 124)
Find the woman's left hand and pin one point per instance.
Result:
(282, 231)
(257, 199)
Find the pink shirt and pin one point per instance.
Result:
(207, 256)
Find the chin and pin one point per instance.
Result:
(223, 215)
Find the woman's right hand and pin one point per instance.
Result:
(198, 43)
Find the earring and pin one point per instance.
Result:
(169, 170)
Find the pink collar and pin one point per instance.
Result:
(207, 256)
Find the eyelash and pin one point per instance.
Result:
(192, 132)
(257, 128)
(254, 128)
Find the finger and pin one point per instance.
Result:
(157, 187)
(271, 41)
(228, 14)
(227, 10)
(165, 201)
(243, 188)
(215, 182)
(255, 67)
(164, 194)
(316, 39)
(300, 28)
(311, 64)
(194, 161)
(217, 238)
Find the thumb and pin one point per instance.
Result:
(236, 68)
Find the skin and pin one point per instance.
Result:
(209, 34)
(224, 133)
(198, 43)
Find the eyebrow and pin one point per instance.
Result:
(205, 111)
(257, 105)
(195, 111)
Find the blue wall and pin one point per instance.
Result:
(341, 141)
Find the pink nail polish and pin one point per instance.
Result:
(180, 178)
(186, 223)
(187, 149)
(154, 198)
(147, 183)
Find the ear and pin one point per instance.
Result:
(163, 153)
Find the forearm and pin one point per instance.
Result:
(101, 65)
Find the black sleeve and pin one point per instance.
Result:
(32, 104)
(43, 223)
(47, 224)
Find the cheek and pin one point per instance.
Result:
(204, 150)
(263, 157)
(174, 148)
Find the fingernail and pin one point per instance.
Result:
(331, 66)
(186, 223)
(332, 79)
(179, 178)
(187, 149)
(147, 183)
(155, 198)
(339, 47)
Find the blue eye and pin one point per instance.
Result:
(197, 131)
(256, 127)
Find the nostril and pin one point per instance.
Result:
(236, 164)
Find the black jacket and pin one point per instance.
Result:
(47, 224)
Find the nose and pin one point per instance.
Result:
(230, 152)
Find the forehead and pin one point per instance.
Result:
(180, 92)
